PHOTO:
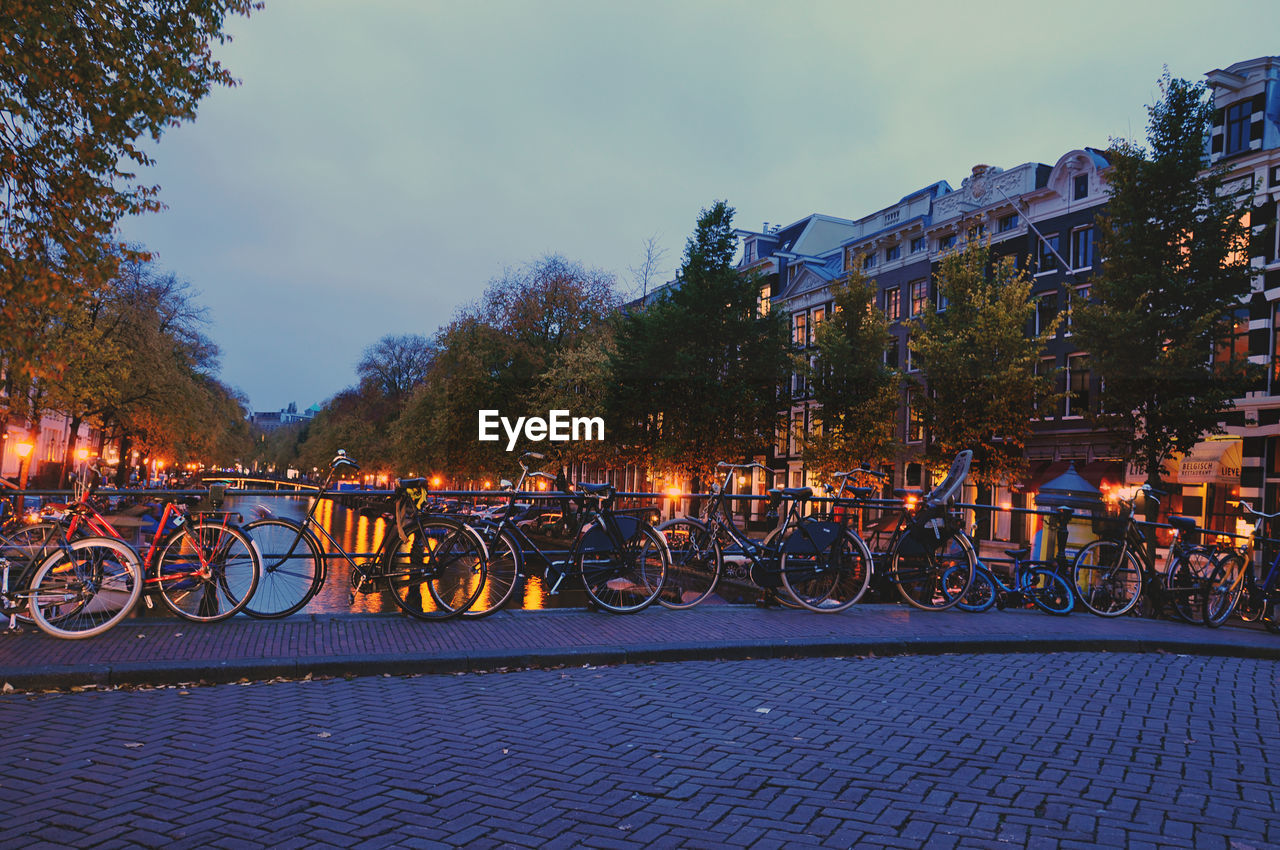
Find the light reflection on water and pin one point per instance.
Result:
(358, 532)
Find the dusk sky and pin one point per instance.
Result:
(381, 162)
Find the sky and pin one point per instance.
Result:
(381, 162)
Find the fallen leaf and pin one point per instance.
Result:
(133, 745)
(325, 735)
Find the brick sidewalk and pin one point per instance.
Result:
(169, 651)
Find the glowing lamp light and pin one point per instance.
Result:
(672, 492)
(435, 481)
(487, 485)
(24, 449)
(911, 501)
(82, 454)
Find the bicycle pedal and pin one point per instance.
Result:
(149, 602)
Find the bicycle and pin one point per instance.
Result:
(620, 558)
(1111, 576)
(203, 567)
(1233, 587)
(928, 559)
(433, 567)
(818, 564)
(1033, 582)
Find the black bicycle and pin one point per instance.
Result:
(1111, 575)
(620, 559)
(433, 567)
(816, 562)
(1233, 585)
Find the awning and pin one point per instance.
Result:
(1212, 462)
(1096, 472)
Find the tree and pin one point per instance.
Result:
(1175, 268)
(82, 85)
(696, 372)
(979, 365)
(395, 365)
(857, 391)
(534, 328)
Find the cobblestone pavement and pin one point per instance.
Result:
(170, 651)
(1057, 750)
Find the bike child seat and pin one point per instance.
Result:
(950, 486)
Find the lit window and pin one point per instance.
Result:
(893, 304)
(800, 336)
(919, 296)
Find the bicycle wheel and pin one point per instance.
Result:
(438, 571)
(292, 568)
(25, 547)
(824, 567)
(932, 574)
(502, 574)
(85, 588)
(696, 560)
(1225, 584)
(1107, 583)
(1048, 591)
(207, 572)
(1184, 582)
(982, 593)
(622, 580)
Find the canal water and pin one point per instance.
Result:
(361, 536)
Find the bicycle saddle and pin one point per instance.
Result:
(410, 483)
(798, 493)
(599, 491)
(1018, 554)
(1183, 523)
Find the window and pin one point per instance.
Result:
(891, 354)
(1239, 116)
(892, 253)
(1081, 187)
(762, 300)
(1082, 248)
(892, 304)
(797, 431)
(915, 419)
(782, 438)
(1275, 349)
(918, 244)
(1048, 260)
(1075, 299)
(798, 389)
(919, 296)
(1045, 366)
(1077, 401)
(1046, 312)
(800, 333)
(912, 365)
(977, 232)
(819, 314)
(943, 301)
(868, 261)
(1234, 349)
(945, 242)
(1007, 223)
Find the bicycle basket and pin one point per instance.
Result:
(1108, 524)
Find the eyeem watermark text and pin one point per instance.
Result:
(558, 427)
